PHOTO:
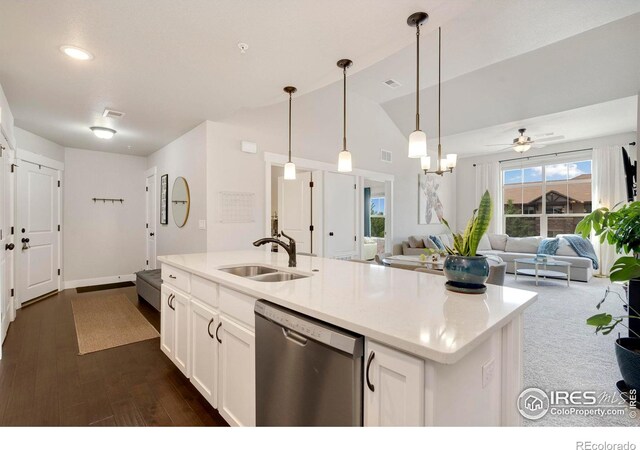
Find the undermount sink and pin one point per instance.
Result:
(278, 276)
(248, 271)
(262, 273)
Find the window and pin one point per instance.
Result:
(377, 216)
(546, 199)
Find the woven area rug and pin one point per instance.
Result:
(107, 321)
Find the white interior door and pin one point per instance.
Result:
(4, 242)
(294, 209)
(37, 228)
(151, 196)
(340, 215)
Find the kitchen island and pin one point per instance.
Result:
(441, 358)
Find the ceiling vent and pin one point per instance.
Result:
(112, 113)
(385, 156)
(393, 84)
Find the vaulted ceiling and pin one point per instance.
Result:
(170, 65)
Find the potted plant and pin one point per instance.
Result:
(620, 227)
(465, 270)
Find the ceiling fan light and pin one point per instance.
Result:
(417, 144)
(521, 148)
(289, 171)
(425, 162)
(344, 161)
(102, 132)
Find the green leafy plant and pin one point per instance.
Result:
(605, 323)
(466, 243)
(619, 227)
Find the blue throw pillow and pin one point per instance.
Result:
(548, 246)
(436, 240)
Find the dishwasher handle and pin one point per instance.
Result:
(294, 337)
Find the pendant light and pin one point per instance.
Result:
(289, 167)
(448, 163)
(344, 157)
(417, 139)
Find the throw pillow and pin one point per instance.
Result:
(428, 243)
(498, 241)
(523, 245)
(436, 240)
(415, 242)
(548, 246)
(484, 243)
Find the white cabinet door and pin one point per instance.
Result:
(181, 307)
(167, 322)
(397, 380)
(204, 351)
(237, 393)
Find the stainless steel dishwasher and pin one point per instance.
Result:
(307, 372)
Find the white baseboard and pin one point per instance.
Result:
(98, 281)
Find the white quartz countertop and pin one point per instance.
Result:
(408, 310)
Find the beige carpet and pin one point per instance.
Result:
(107, 321)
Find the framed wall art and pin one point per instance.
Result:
(164, 199)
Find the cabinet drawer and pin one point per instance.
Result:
(237, 305)
(204, 290)
(176, 278)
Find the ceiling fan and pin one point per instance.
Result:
(523, 143)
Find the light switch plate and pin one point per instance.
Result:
(488, 372)
(202, 224)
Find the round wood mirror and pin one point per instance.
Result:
(180, 201)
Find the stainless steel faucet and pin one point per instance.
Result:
(290, 248)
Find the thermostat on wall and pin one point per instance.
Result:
(249, 147)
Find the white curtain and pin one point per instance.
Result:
(488, 179)
(608, 189)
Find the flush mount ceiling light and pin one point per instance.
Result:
(102, 132)
(289, 167)
(417, 139)
(76, 53)
(448, 163)
(344, 157)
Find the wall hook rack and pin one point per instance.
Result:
(105, 200)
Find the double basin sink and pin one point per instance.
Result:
(262, 273)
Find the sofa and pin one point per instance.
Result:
(370, 249)
(508, 249)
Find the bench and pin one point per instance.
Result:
(148, 283)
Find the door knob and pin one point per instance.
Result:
(331, 233)
(152, 234)
(25, 240)
(9, 246)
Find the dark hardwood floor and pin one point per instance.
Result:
(44, 382)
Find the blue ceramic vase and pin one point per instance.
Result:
(628, 356)
(466, 273)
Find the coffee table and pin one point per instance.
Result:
(545, 269)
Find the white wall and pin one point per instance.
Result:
(102, 239)
(316, 135)
(38, 145)
(185, 157)
(6, 119)
(466, 195)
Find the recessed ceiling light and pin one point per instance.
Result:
(103, 133)
(76, 52)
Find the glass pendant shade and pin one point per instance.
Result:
(417, 144)
(289, 171)
(425, 162)
(521, 148)
(452, 160)
(344, 161)
(443, 164)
